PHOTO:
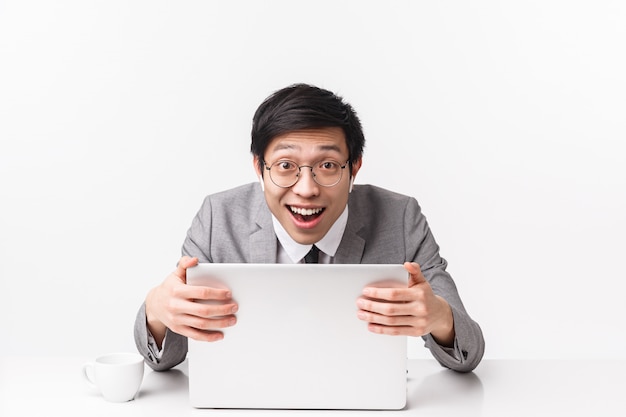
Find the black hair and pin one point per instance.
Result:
(303, 106)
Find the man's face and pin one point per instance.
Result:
(307, 210)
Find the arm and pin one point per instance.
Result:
(176, 345)
(430, 307)
(417, 311)
(172, 311)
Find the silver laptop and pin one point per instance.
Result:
(297, 343)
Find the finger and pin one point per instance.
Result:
(200, 292)
(184, 263)
(211, 310)
(178, 309)
(415, 273)
(201, 335)
(386, 308)
(211, 323)
(392, 330)
(374, 318)
(389, 294)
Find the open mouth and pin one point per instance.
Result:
(306, 214)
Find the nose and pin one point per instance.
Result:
(306, 185)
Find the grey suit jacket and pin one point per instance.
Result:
(235, 226)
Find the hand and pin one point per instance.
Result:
(174, 305)
(412, 311)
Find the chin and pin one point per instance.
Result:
(305, 238)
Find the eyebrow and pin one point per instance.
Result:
(283, 146)
(290, 146)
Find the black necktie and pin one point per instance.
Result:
(313, 256)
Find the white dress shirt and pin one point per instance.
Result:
(291, 252)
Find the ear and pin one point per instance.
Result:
(259, 172)
(257, 169)
(355, 169)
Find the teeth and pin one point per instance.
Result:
(305, 212)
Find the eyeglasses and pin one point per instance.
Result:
(285, 173)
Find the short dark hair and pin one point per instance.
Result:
(303, 106)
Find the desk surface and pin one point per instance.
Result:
(32, 386)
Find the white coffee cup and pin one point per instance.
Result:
(117, 376)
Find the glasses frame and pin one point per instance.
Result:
(269, 169)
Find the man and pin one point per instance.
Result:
(307, 147)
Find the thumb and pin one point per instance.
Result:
(181, 268)
(415, 273)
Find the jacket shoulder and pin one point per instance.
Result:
(367, 195)
(246, 192)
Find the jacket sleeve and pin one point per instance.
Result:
(174, 345)
(421, 247)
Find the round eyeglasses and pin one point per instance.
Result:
(285, 173)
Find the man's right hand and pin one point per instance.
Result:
(175, 305)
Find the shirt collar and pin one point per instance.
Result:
(328, 244)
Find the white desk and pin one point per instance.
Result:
(54, 387)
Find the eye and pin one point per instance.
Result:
(328, 165)
(285, 165)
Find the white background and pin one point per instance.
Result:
(506, 120)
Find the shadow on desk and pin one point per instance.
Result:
(447, 391)
(172, 382)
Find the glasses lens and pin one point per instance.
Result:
(327, 173)
(284, 173)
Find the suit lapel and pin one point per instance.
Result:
(263, 241)
(350, 250)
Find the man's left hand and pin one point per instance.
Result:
(412, 311)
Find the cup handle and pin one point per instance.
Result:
(88, 373)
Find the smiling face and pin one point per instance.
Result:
(307, 210)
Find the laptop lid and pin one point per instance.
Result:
(297, 343)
